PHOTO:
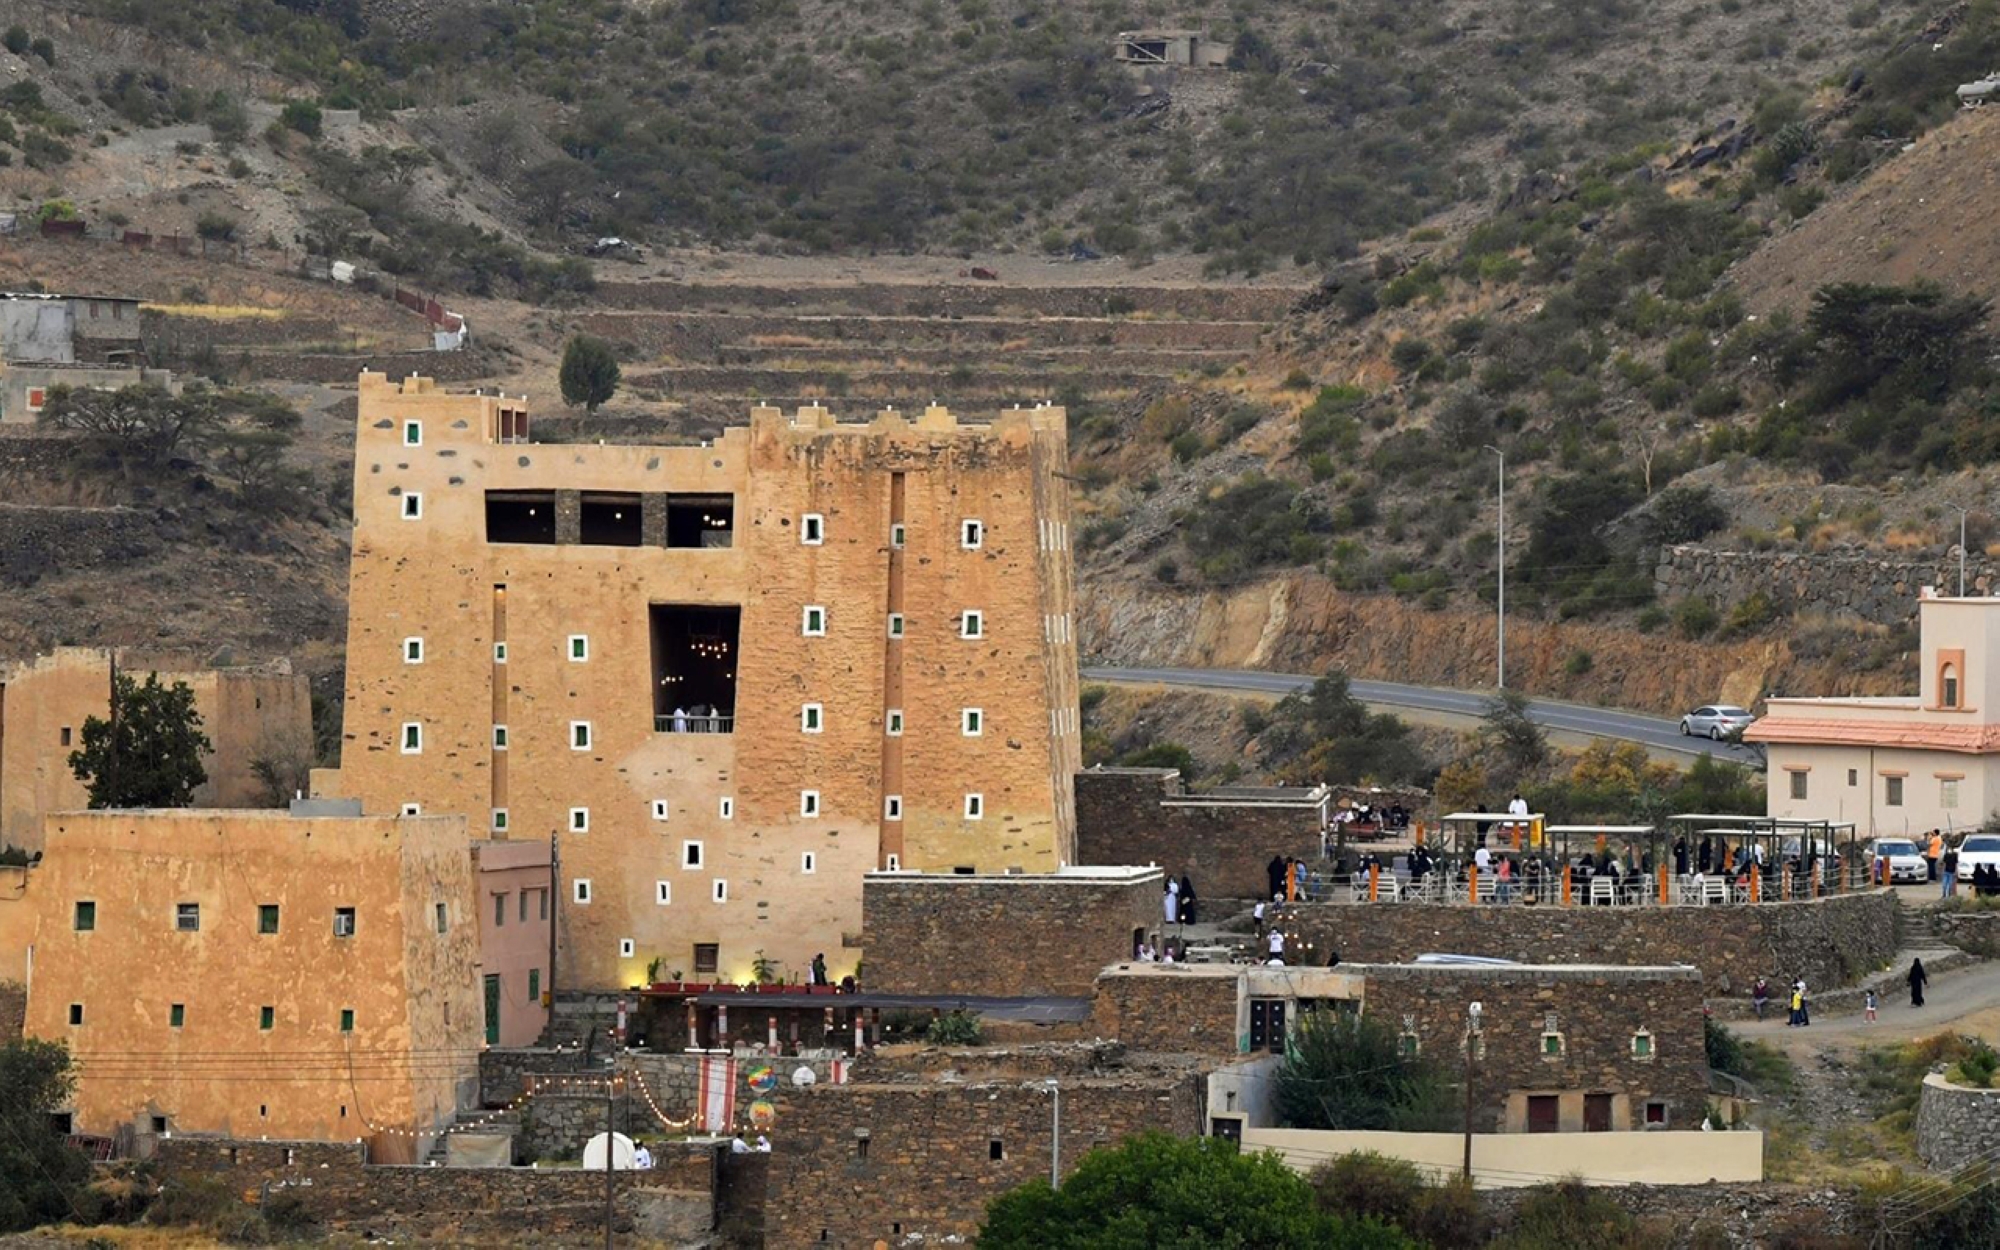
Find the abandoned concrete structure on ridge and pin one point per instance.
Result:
(732, 679)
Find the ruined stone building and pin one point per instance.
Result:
(248, 713)
(260, 974)
(731, 678)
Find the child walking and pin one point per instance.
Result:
(1868, 1007)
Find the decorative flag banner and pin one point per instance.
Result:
(717, 1084)
(837, 1072)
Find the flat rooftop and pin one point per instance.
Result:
(1070, 874)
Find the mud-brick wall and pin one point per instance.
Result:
(866, 1163)
(1829, 942)
(1128, 818)
(1009, 937)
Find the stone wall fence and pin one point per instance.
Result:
(1799, 582)
(1955, 1123)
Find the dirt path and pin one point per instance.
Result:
(1967, 1000)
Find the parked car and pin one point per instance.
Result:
(1716, 720)
(1900, 860)
(1977, 849)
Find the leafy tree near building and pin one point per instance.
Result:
(40, 1174)
(589, 374)
(149, 752)
(1352, 1072)
(1176, 1194)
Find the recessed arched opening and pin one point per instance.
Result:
(1948, 686)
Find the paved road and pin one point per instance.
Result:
(1950, 999)
(1649, 731)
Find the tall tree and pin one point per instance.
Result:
(148, 754)
(1350, 1072)
(589, 372)
(40, 1173)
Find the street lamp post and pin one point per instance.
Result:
(1961, 551)
(1500, 546)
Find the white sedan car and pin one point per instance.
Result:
(1977, 849)
(1900, 860)
(1716, 721)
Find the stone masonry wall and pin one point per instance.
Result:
(13, 1010)
(1195, 1013)
(1829, 942)
(1955, 1123)
(1675, 1217)
(866, 1163)
(673, 1203)
(1882, 591)
(1121, 819)
(1009, 937)
(1977, 932)
(1597, 1011)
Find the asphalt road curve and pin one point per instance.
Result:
(1651, 731)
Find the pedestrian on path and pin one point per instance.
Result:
(1798, 1005)
(1868, 1007)
(1187, 899)
(1760, 996)
(1948, 869)
(1257, 913)
(1170, 900)
(1917, 978)
(1277, 946)
(1932, 853)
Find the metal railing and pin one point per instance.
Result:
(684, 723)
(1548, 889)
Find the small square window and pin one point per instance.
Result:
(727, 809)
(413, 738)
(579, 735)
(579, 648)
(808, 802)
(499, 653)
(812, 529)
(499, 910)
(187, 917)
(813, 624)
(691, 855)
(347, 1019)
(975, 806)
(413, 506)
(1892, 791)
(76, 1013)
(718, 890)
(65, 735)
(663, 892)
(972, 624)
(1408, 1045)
(413, 651)
(898, 535)
(86, 916)
(895, 863)
(996, 1150)
(343, 922)
(659, 809)
(1642, 1045)
(1552, 1045)
(809, 718)
(499, 737)
(627, 948)
(413, 434)
(499, 824)
(443, 918)
(971, 534)
(971, 722)
(892, 723)
(267, 917)
(895, 624)
(707, 957)
(1799, 784)
(177, 1015)
(1853, 777)
(267, 1017)
(579, 820)
(808, 862)
(1656, 1114)
(892, 807)
(580, 890)
(413, 809)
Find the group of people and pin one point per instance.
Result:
(1801, 1006)
(1177, 900)
(1941, 860)
(1289, 878)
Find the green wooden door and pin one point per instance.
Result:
(493, 1009)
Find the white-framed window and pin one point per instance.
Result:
(812, 529)
(1948, 792)
(659, 809)
(972, 623)
(975, 807)
(413, 650)
(892, 723)
(971, 533)
(718, 890)
(499, 737)
(971, 721)
(691, 855)
(726, 809)
(899, 534)
(892, 807)
(413, 506)
(499, 822)
(808, 802)
(579, 820)
(413, 737)
(1642, 1044)
(808, 862)
(579, 735)
(811, 718)
(579, 648)
(812, 622)
(663, 893)
(895, 624)
(895, 862)
(413, 434)
(413, 809)
(499, 653)
(627, 948)
(580, 890)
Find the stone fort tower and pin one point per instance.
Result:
(729, 679)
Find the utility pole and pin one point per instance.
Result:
(1471, 1039)
(1500, 548)
(1961, 551)
(1055, 1135)
(555, 900)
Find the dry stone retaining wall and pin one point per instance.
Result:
(1882, 591)
(1955, 1123)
